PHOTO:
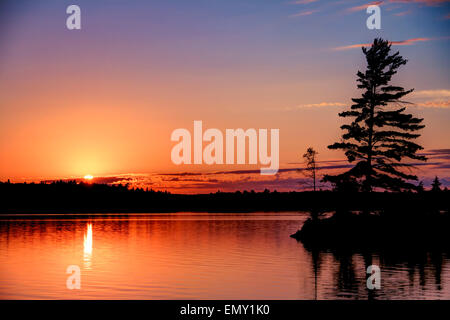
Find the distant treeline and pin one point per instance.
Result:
(76, 197)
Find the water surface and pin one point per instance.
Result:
(198, 256)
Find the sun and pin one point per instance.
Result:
(88, 177)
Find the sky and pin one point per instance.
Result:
(105, 99)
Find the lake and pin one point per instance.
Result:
(199, 256)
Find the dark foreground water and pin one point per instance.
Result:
(200, 256)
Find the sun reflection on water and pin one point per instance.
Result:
(88, 246)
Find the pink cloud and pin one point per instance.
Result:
(404, 13)
(304, 13)
(438, 98)
(407, 42)
(304, 1)
(440, 104)
(364, 6)
(435, 94)
(318, 105)
(425, 2)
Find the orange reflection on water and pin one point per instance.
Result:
(88, 246)
(201, 256)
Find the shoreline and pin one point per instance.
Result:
(98, 198)
(346, 230)
(81, 215)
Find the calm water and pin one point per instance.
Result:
(199, 256)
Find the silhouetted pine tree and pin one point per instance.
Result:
(420, 187)
(311, 164)
(381, 133)
(436, 185)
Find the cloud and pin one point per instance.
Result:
(410, 41)
(403, 13)
(440, 93)
(182, 174)
(393, 7)
(437, 154)
(303, 1)
(289, 178)
(432, 98)
(407, 42)
(321, 162)
(119, 179)
(435, 104)
(317, 105)
(303, 13)
(364, 6)
(439, 151)
(425, 2)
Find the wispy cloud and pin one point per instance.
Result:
(407, 42)
(440, 151)
(410, 41)
(393, 7)
(364, 6)
(379, 3)
(303, 1)
(440, 104)
(439, 93)
(439, 98)
(318, 105)
(289, 178)
(304, 13)
(425, 2)
(403, 13)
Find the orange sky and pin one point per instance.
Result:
(104, 100)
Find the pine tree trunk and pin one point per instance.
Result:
(368, 183)
(314, 178)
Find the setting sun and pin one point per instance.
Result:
(88, 177)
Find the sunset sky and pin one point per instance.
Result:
(105, 99)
